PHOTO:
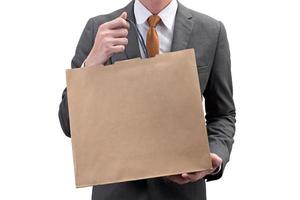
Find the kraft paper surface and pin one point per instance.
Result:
(137, 119)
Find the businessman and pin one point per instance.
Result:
(166, 25)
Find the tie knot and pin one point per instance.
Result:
(153, 20)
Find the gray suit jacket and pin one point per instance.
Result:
(208, 37)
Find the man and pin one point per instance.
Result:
(166, 25)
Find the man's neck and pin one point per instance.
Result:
(155, 6)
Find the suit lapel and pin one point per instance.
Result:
(132, 49)
(182, 28)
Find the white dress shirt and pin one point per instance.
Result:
(164, 29)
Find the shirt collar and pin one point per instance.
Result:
(167, 15)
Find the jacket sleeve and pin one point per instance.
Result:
(219, 104)
(83, 48)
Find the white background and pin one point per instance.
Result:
(38, 40)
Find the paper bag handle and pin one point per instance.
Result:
(140, 37)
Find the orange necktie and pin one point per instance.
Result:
(152, 37)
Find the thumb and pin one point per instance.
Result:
(216, 160)
(123, 15)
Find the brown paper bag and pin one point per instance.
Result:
(137, 119)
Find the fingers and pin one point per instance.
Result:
(117, 48)
(114, 45)
(111, 38)
(117, 45)
(119, 22)
(119, 41)
(195, 176)
(178, 179)
(188, 177)
(192, 177)
(124, 15)
(118, 33)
